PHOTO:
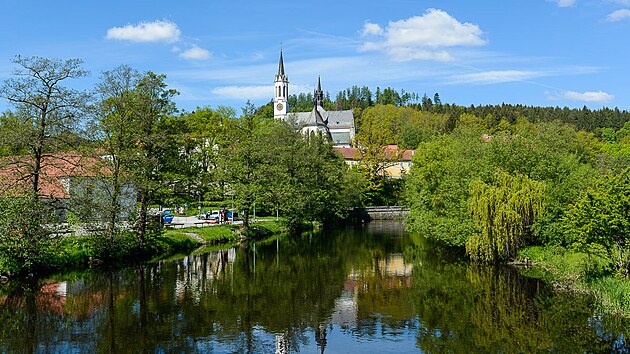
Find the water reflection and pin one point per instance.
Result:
(367, 288)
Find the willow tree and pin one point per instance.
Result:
(503, 212)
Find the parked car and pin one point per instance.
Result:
(167, 217)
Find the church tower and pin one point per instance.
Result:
(281, 85)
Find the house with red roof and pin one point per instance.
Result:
(62, 177)
(399, 159)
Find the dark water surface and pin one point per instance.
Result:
(363, 289)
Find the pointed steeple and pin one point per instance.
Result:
(318, 95)
(281, 65)
(281, 76)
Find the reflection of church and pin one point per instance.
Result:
(338, 126)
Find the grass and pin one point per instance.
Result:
(270, 225)
(556, 265)
(221, 234)
(173, 242)
(74, 252)
(210, 234)
(583, 272)
(612, 294)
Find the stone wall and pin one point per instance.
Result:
(378, 213)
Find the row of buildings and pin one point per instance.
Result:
(338, 126)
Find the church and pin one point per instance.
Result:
(338, 126)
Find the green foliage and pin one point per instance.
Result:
(437, 189)
(613, 295)
(25, 245)
(384, 125)
(504, 212)
(601, 221)
(582, 119)
(267, 164)
(556, 265)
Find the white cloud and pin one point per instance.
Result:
(589, 96)
(498, 76)
(157, 31)
(422, 37)
(619, 15)
(196, 53)
(565, 3)
(371, 29)
(406, 54)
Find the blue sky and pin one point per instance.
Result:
(532, 52)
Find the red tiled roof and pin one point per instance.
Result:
(16, 180)
(391, 150)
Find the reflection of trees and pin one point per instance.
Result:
(292, 292)
(473, 308)
(234, 299)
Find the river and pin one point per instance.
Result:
(369, 288)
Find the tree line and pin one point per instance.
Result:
(361, 98)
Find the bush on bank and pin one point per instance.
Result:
(81, 251)
(578, 271)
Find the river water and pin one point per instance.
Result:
(356, 289)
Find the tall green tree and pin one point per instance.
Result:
(153, 143)
(203, 134)
(46, 117)
(437, 188)
(116, 121)
(44, 110)
(240, 161)
(599, 222)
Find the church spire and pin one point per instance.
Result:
(318, 95)
(281, 76)
(281, 65)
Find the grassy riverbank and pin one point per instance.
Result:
(76, 252)
(575, 271)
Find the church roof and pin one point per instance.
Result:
(336, 119)
(315, 118)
